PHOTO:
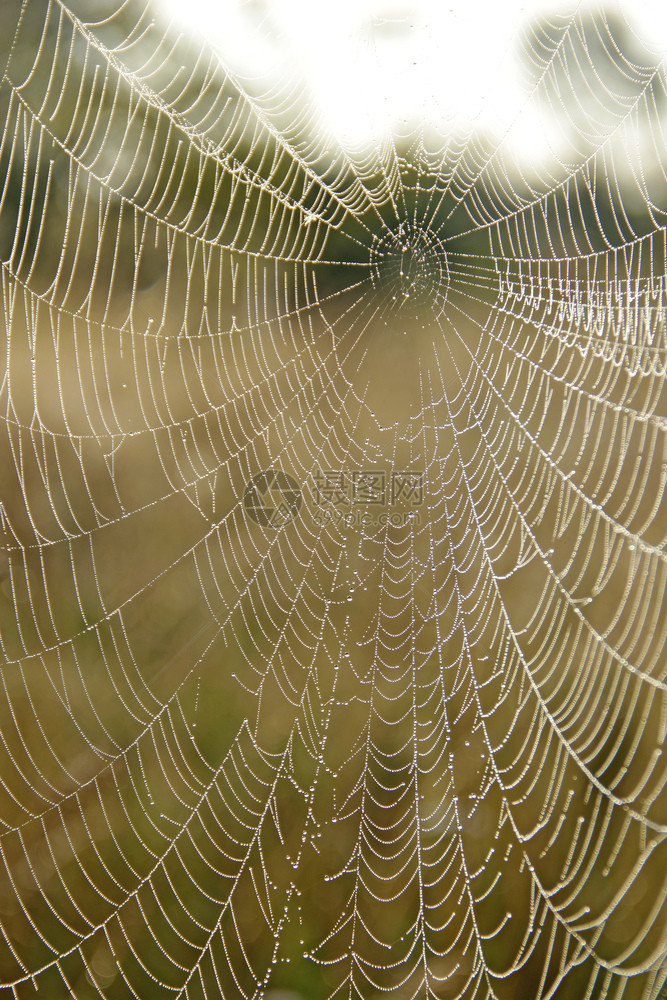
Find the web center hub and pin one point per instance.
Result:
(410, 272)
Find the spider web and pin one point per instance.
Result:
(394, 724)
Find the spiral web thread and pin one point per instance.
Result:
(418, 756)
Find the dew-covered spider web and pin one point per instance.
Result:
(333, 529)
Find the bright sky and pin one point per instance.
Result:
(371, 64)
